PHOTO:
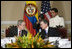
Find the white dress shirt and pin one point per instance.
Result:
(56, 21)
(46, 30)
(18, 31)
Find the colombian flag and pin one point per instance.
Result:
(30, 20)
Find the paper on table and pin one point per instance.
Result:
(64, 43)
(7, 40)
(13, 39)
(4, 41)
(46, 39)
(52, 39)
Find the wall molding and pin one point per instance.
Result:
(67, 22)
(8, 22)
(15, 22)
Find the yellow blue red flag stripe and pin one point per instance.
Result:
(31, 20)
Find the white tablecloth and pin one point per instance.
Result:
(63, 43)
(7, 40)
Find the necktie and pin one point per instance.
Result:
(19, 33)
(46, 31)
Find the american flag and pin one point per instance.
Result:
(45, 9)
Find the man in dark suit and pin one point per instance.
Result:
(18, 30)
(48, 31)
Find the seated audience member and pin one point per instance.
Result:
(18, 30)
(56, 21)
(48, 31)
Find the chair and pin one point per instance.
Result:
(9, 29)
(63, 32)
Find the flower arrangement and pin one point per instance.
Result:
(29, 42)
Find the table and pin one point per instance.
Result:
(7, 40)
(63, 43)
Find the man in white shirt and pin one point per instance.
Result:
(56, 20)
